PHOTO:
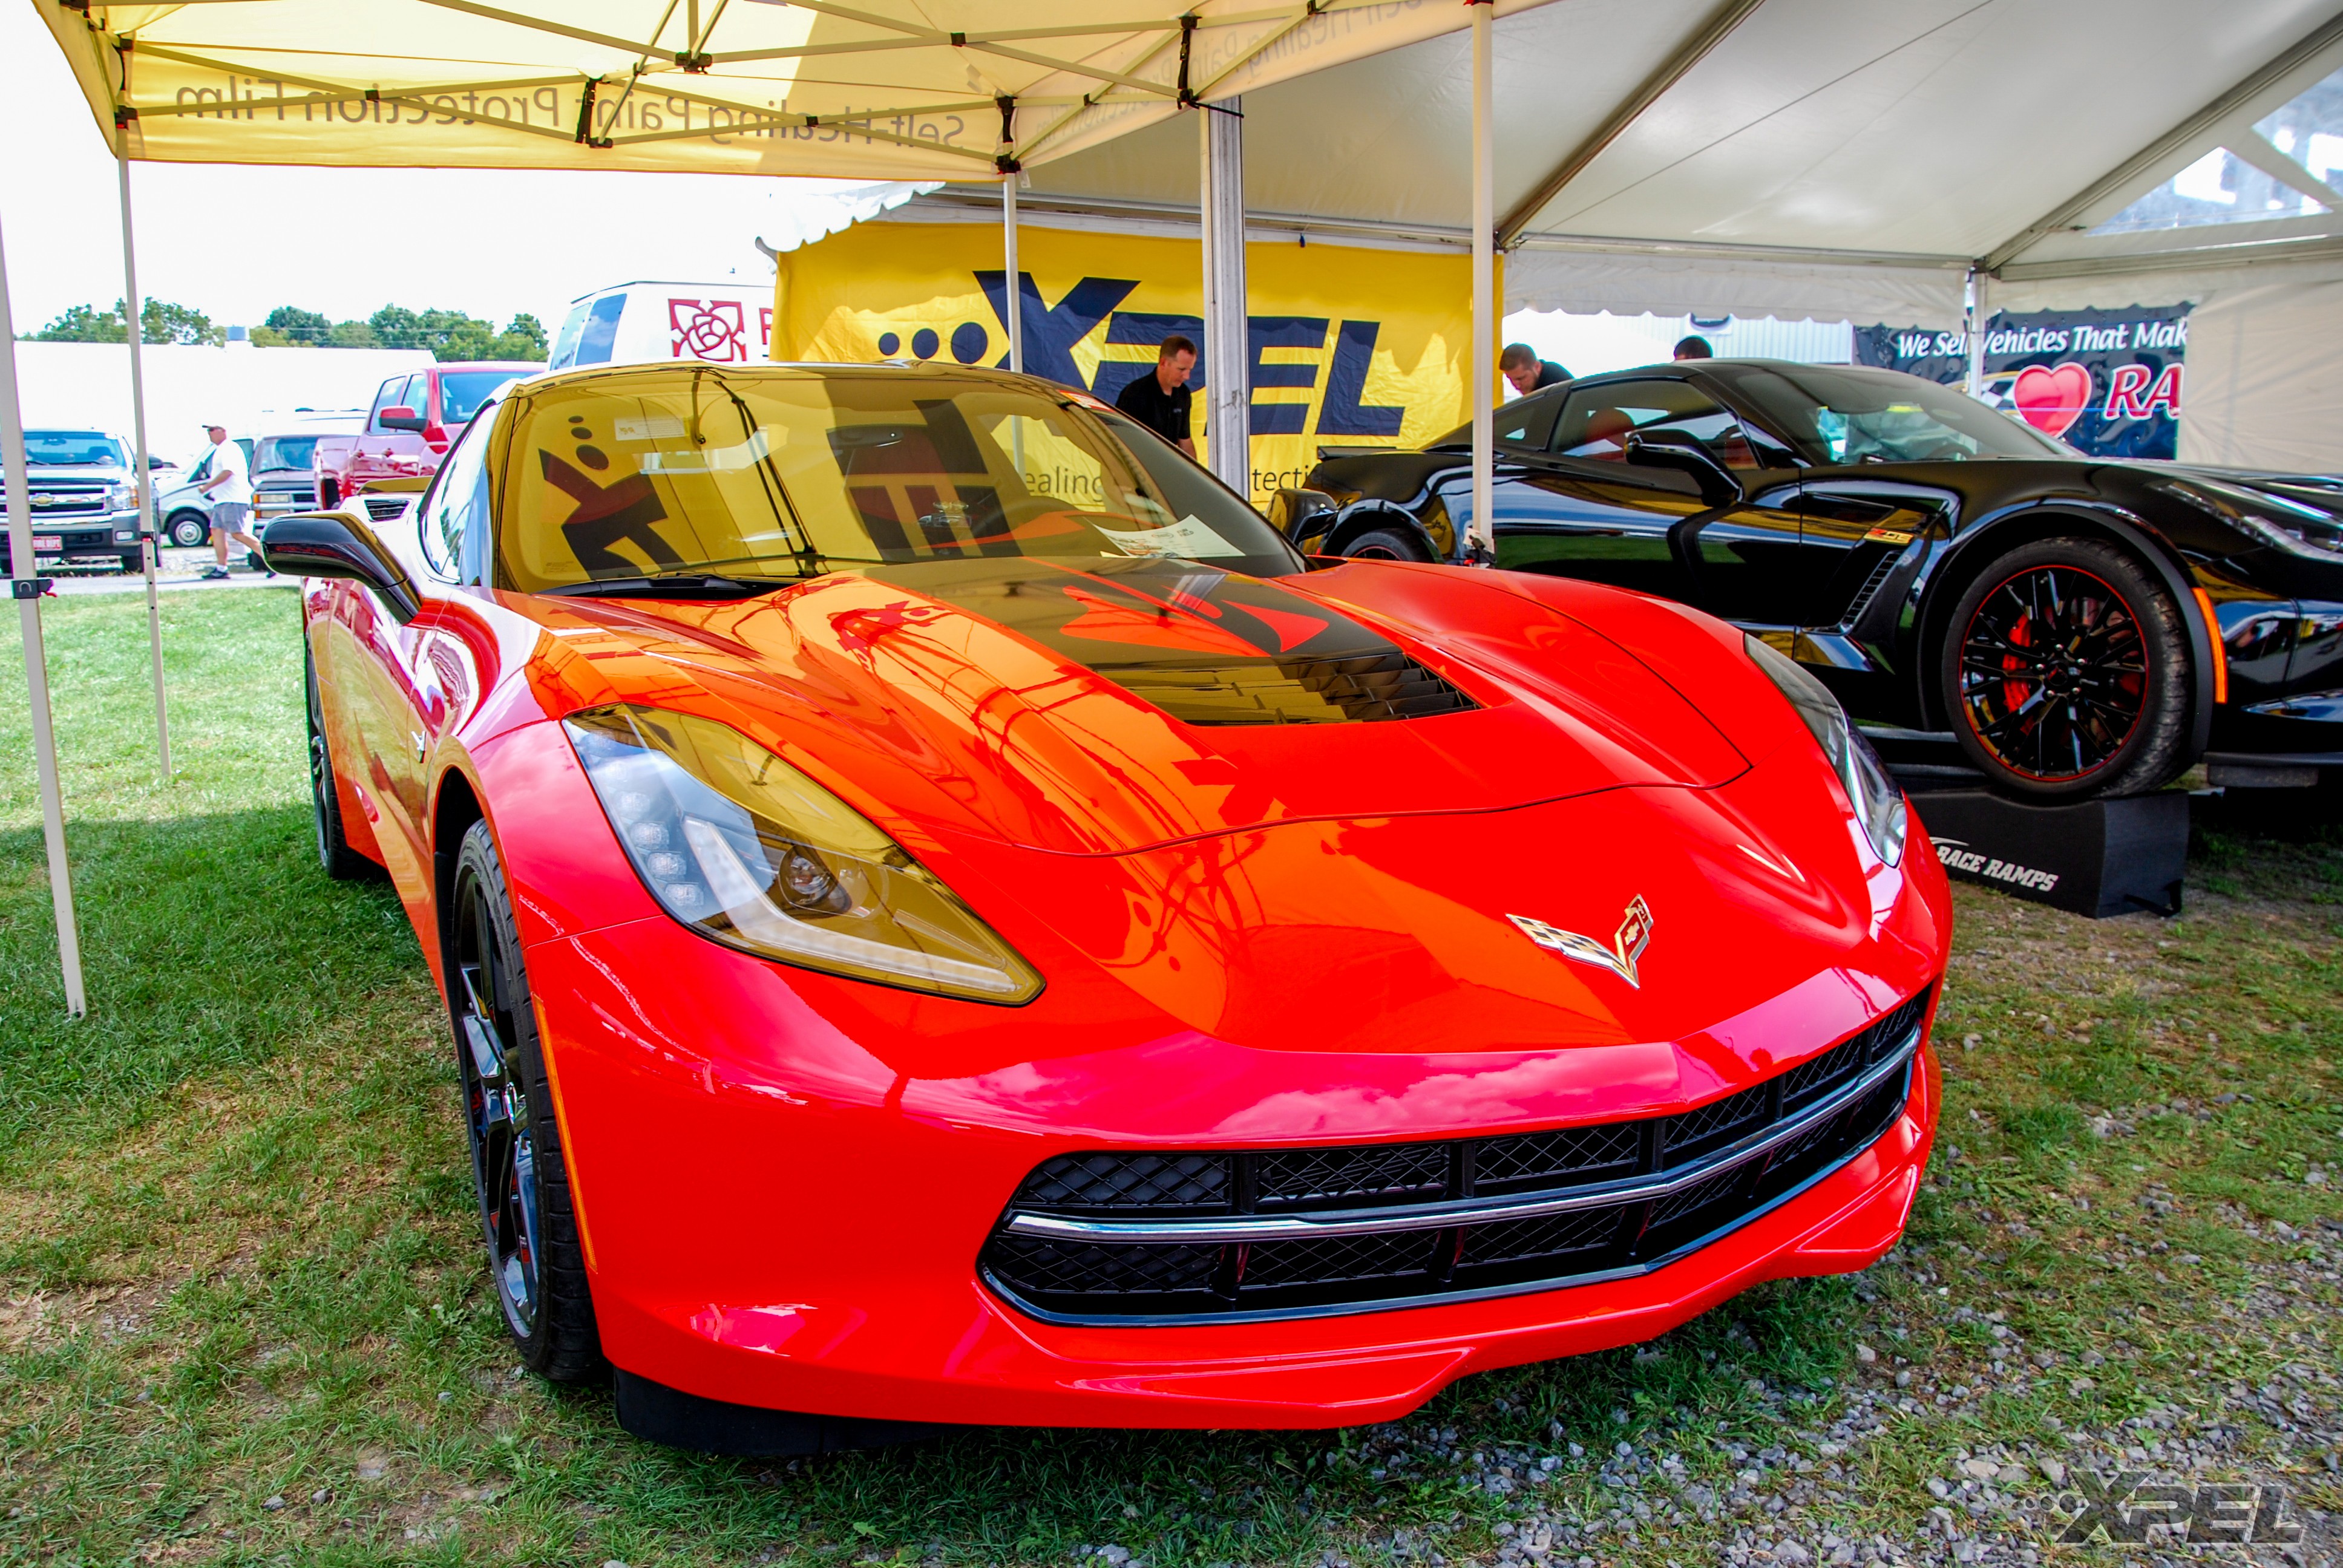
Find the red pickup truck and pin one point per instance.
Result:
(414, 421)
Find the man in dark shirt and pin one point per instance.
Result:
(1160, 400)
(1527, 371)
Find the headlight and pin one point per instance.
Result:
(1877, 802)
(2298, 530)
(121, 497)
(747, 850)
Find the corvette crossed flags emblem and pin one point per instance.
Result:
(1634, 936)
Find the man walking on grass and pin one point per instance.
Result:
(230, 489)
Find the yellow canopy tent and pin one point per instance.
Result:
(882, 89)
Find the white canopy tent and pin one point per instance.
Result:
(1828, 158)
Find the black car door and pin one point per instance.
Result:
(1581, 510)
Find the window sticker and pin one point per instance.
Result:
(710, 459)
(1188, 539)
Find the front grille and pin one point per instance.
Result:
(1722, 1163)
(51, 503)
(1365, 689)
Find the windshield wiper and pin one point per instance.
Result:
(670, 585)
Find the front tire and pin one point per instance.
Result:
(519, 1173)
(187, 529)
(2065, 671)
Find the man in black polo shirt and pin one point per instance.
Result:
(1160, 400)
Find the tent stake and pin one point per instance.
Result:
(149, 547)
(1483, 537)
(26, 589)
(1226, 362)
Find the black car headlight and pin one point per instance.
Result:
(2278, 521)
(1878, 803)
(748, 852)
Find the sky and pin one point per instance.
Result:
(235, 241)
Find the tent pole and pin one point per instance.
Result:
(1016, 282)
(1483, 547)
(25, 588)
(148, 545)
(1228, 370)
(1973, 308)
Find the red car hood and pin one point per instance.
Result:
(1024, 702)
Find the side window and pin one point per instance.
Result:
(386, 394)
(455, 511)
(1597, 420)
(1527, 421)
(417, 388)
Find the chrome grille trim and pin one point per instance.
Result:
(1477, 1210)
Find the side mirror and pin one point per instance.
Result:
(399, 417)
(1679, 450)
(1291, 511)
(337, 545)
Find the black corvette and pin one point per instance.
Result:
(2079, 627)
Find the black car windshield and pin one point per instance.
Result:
(787, 473)
(277, 453)
(73, 448)
(1847, 415)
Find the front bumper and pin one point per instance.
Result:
(812, 1246)
(84, 537)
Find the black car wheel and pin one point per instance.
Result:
(342, 863)
(187, 529)
(2065, 672)
(1385, 545)
(133, 563)
(517, 1171)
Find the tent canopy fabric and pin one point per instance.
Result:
(882, 89)
(1793, 157)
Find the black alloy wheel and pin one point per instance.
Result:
(2065, 671)
(518, 1174)
(341, 863)
(1384, 545)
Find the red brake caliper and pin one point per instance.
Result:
(2013, 692)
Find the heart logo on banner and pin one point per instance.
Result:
(2052, 400)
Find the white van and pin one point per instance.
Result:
(629, 323)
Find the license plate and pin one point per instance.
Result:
(48, 541)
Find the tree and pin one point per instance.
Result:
(160, 321)
(530, 330)
(83, 324)
(293, 325)
(352, 335)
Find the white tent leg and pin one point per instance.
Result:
(1973, 308)
(147, 545)
(37, 660)
(1228, 367)
(1016, 283)
(1484, 295)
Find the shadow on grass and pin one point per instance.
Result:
(208, 942)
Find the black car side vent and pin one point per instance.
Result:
(1365, 689)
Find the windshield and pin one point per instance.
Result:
(73, 448)
(275, 453)
(1849, 416)
(462, 392)
(791, 473)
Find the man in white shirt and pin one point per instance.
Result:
(230, 489)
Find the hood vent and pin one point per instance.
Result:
(1365, 688)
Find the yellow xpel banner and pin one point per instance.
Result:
(1348, 347)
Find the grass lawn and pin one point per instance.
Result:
(242, 1317)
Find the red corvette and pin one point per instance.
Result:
(947, 918)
